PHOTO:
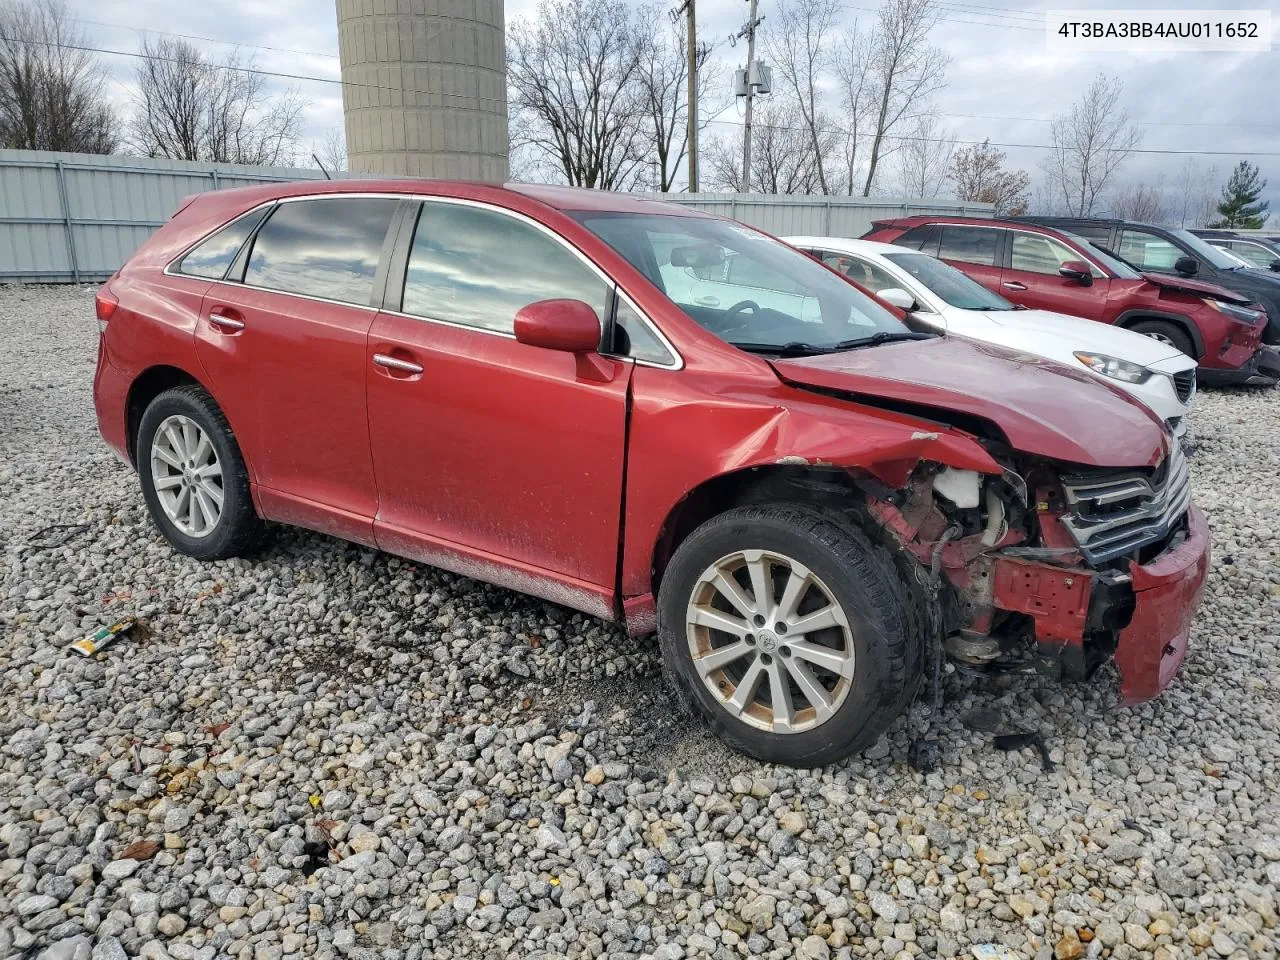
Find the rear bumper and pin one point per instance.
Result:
(110, 403)
(1260, 370)
(1166, 594)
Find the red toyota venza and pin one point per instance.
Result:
(810, 503)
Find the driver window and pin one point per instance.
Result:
(1038, 254)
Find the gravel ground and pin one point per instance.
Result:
(497, 776)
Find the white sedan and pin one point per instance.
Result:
(944, 299)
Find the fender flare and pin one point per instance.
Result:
(1184, 323)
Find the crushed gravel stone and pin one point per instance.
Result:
(337, 753)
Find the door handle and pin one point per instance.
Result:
(707, 301)
(1014, 285)
(395, 363)
(226, 322)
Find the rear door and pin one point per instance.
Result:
(1032, 279)
(977, 251)
(494, 458)
(282, 341)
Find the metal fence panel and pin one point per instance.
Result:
(77, 217)
(795, 215)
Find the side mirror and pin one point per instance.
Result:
(1078, 271)
(1187, 266)
(899, 298)
(568, 325)
(1275, 266)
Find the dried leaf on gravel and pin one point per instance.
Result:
(139, 850)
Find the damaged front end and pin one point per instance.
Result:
(1056, 569)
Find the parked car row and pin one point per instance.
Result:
(1150, 286)
(679, 423)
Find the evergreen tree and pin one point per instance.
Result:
(1240, 206)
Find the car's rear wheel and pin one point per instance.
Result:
(787, 631)
(1169, 333)
(194, 478)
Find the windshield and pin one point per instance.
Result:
(954, 287)
(1206, 251)
(1120, 268)
(748, 289)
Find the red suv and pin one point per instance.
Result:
(657, 417)
(1050, 269)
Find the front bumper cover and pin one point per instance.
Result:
(1166, 594)
(1260, 370)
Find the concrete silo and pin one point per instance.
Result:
(424, 87)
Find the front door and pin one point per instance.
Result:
(493, 458)
(285, 353)
(1032, 278)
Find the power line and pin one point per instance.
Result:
(193, 36)
(905, 138)
(256, 71)
(401, 90)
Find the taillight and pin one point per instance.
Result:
(105, 303)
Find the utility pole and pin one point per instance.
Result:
(693, 96)
(748, 90)
(687, 8)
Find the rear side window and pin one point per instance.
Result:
(478, 267)
(969, 244)
(322, 248)
(1256, 254)
(211, 258)
(923, 238)
(1098, 234)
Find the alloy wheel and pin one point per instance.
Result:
(187, 476)
(770, 641)
(1161, 337)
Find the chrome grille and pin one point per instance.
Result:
(1112, 515)
(1185, 384)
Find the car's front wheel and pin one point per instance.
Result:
(787, 630)
(194, 478)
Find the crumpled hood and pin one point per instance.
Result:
(1195, 287)
(1043, 407)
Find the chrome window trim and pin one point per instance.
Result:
(609, 282)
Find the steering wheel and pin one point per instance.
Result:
(733, 320)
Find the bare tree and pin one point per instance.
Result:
(781, 158)
(574, 74)
(1089, 144)
(853, 68)
(51, 93)
(924, 161)
(979, 175)
(1143, 202)
(799, 42)
(1196, 201)
(663, 76)
(189, 108)
(330, 151)
(905, 73)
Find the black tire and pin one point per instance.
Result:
(1168, 332)
(887, 639)
(238, 529)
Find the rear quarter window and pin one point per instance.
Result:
(211, 257)
(923, 238)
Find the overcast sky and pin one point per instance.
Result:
(1002, 82)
